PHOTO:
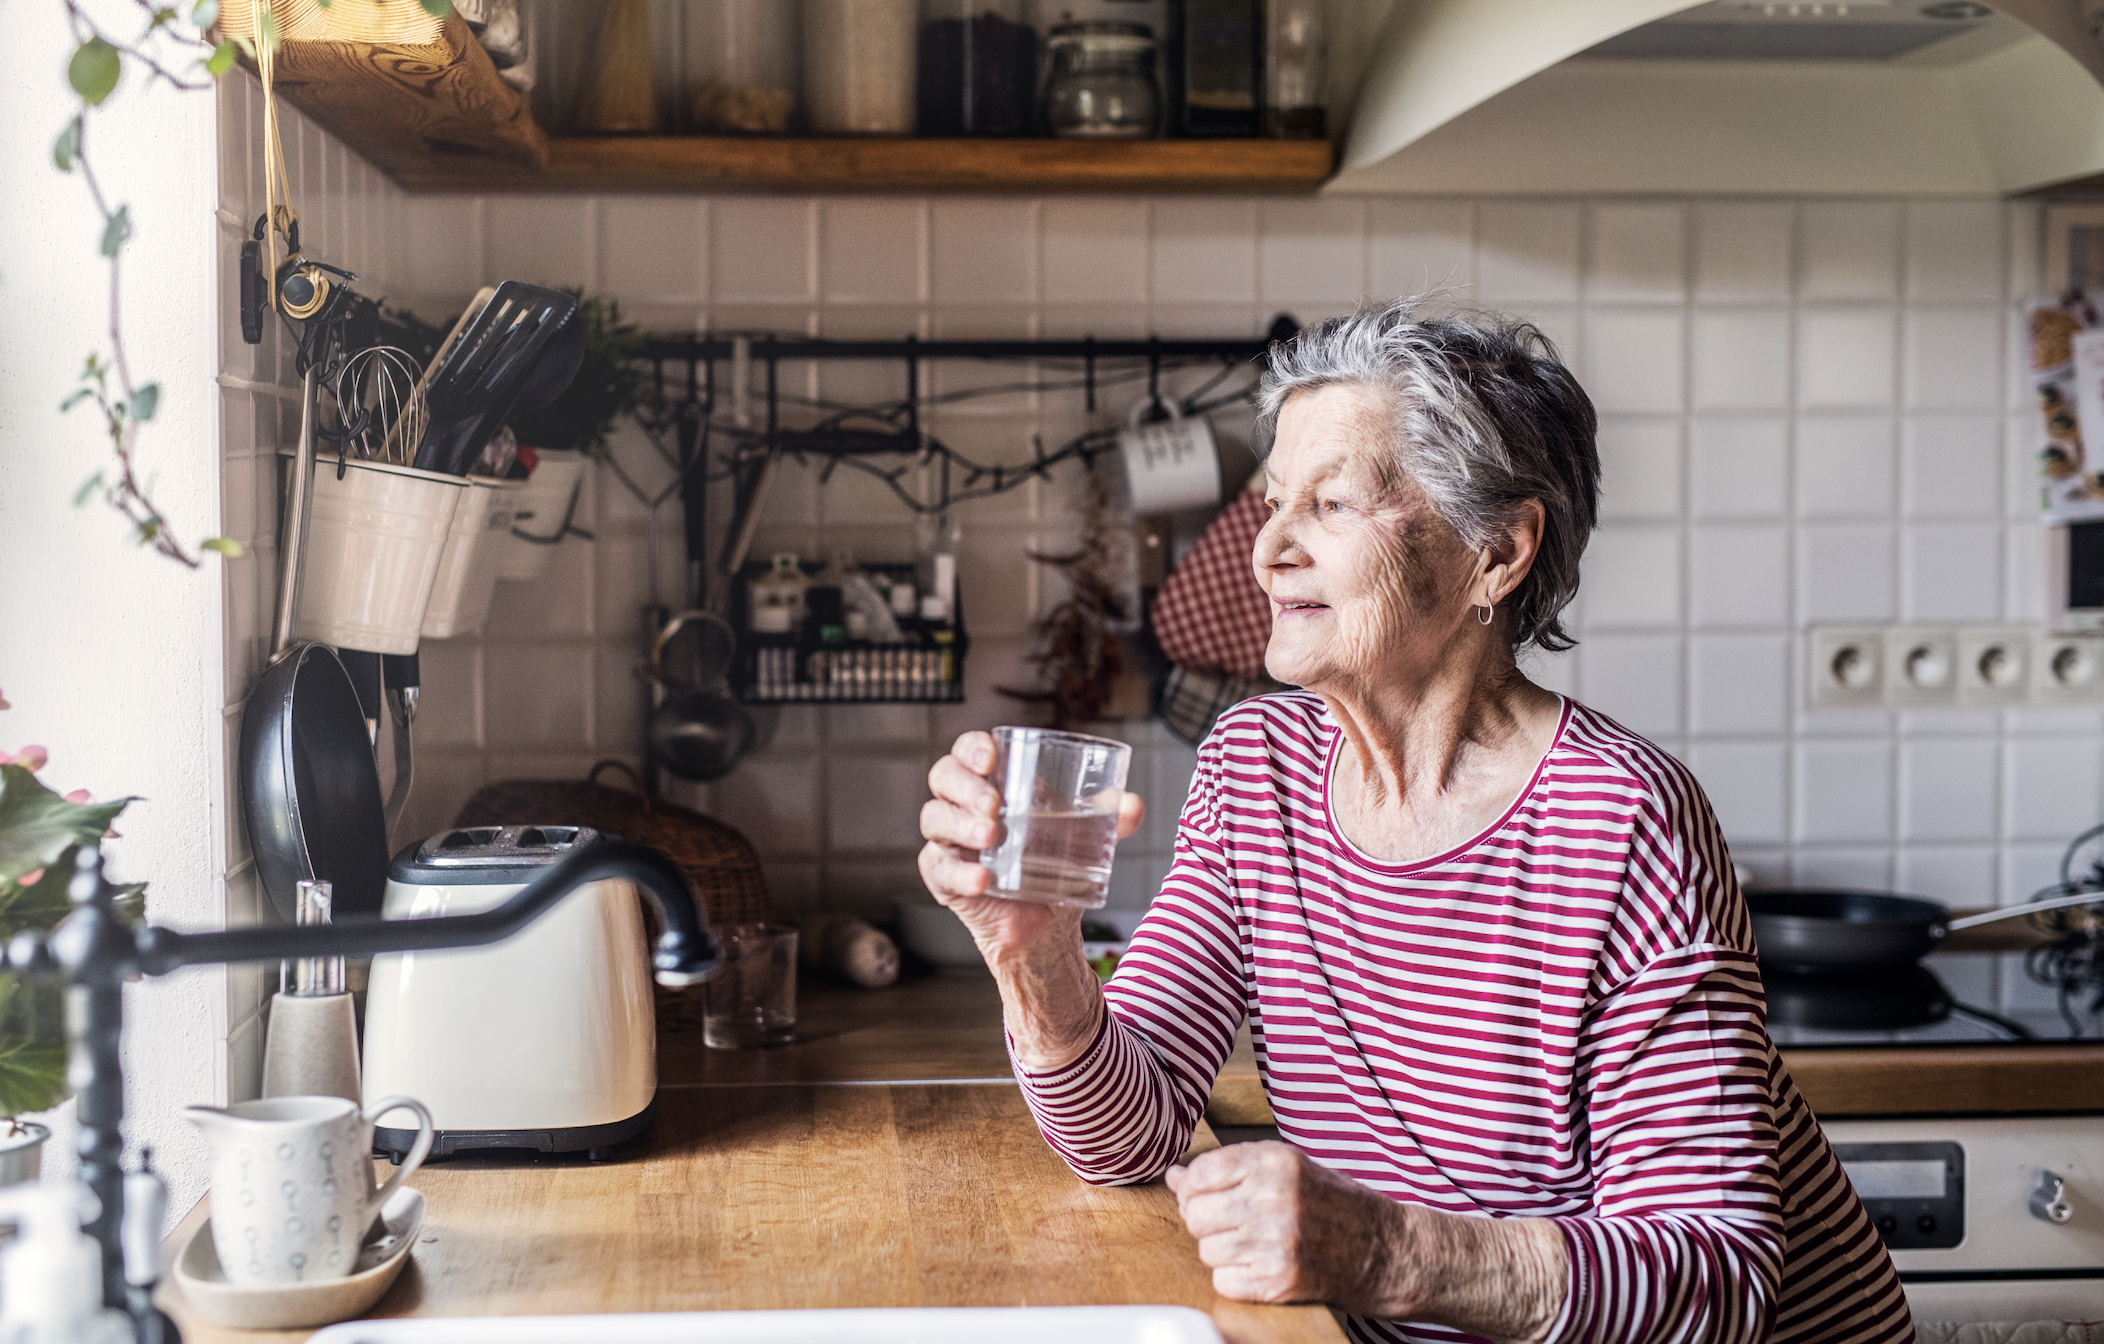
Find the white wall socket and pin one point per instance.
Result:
(1920, 667)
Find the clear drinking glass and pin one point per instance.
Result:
(752, 1001)
(1060, 795)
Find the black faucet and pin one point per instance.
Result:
(94, 952)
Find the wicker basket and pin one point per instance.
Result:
(721, 862)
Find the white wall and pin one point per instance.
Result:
(111, 655)
(1810, 415)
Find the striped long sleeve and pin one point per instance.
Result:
(1561, 1018)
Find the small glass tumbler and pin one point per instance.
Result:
(1059, 809)
(751, 1003)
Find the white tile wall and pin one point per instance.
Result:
(1808, 415)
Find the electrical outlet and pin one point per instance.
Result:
(1994, 665)
(2067, 669)
(1921, 666)
(1847, 668)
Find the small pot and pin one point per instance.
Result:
(22, 1155)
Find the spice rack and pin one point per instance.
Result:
(806, 666)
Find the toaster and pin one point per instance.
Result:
(546, 1040)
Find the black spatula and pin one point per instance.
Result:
(479, 379)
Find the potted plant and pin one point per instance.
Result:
(41, 832)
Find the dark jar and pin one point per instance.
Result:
(978, 68)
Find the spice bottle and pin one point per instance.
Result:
(859, 66)
(978, 68)
(1294, 55)
(620, 88)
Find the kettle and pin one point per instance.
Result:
(546, 1040)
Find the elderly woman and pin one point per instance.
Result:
(1499, 974)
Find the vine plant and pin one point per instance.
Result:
(167, 55)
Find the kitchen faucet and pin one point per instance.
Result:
(93, 951)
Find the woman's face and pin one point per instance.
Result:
(1367, 583)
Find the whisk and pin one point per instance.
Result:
(380, 405)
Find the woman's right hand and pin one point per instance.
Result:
(963, 818)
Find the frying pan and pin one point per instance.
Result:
(1814, 931)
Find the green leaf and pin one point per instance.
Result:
(221, 60)
(38, 827)
(67, 147)
(87, 489)
(116, 231)
(145, 401)
(73, 398)
(205, 14)
(93, 70)
(226, 546)
(32, 1073)
(438, 9)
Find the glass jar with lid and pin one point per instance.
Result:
(1101, 82)
(978, 68)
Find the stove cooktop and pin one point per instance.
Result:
(1951, 998)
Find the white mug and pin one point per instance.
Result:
(1173, 463)
(292, 1183)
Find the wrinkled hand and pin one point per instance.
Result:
(963, 818)
(1275, 1227)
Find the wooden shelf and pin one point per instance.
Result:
(793, 164)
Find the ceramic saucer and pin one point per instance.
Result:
(292, 1306)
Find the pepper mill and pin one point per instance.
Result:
(312, 1049)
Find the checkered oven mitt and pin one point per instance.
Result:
(1210, 615)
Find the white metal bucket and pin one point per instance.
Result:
(467, 573)
(372, 553)
(543, 507)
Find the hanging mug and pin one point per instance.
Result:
(292, 1184)
(1172, 464)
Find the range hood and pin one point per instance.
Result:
(1730, 97)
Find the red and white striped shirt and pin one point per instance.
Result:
(1560, 1018)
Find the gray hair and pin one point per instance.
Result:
(1485, 417)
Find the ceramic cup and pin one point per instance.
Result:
(1172, 464)
(292, 1183)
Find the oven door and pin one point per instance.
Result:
(1998, 1219)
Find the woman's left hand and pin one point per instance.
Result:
(1276, 1227)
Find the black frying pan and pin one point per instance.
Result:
(1814, 931)
(310, 786)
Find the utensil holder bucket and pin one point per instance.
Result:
(475, 547)
(373, 549)
(543, 509)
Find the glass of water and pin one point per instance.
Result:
(751, 1002)
(1059, 801)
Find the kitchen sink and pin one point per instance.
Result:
(874, 1325)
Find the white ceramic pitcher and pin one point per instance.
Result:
(292, 1183)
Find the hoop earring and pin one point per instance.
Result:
(1484, 619)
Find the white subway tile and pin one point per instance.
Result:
(873, 251)
(764, 251)
(1845, 358)
(1527, 252)
(1640, 470)
(1638, 254)
(1634, 359)
(541, 240)
(2027, 870)
(1740, 468)
(1954, 358)
(1961, 876)
(1739, 576)
(536, 696)
(983, 251)
(1557, 672)
(1204, 252)
(1844, 792)
(1954, 251)
(445, 254)
(1313, 252)
(1742, 360)
(2023, 573)
(1740, 686)
(1947, 790)
(773, 799)
(1416, 246)
(1742, 251)
(1746, 783)
(1635, 680)
(874, 802)
(1844, 573)
(1632, 577)
(1845, 467)
(1952, 466)
(450, 701)
(898, 725)
(653, 249)
(1863, 868)
(2053, 787)
(1095, 251)
(1951, 571)
(1848, 250)
(2022, 226)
